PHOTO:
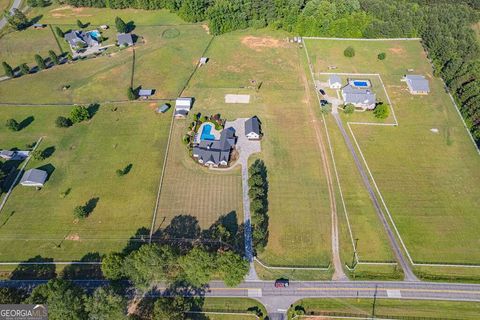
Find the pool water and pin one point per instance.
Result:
(206, 133)
(95, 34)
(360, 84)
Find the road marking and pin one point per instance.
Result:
(255, 293)
(394, 293)
(386, 289)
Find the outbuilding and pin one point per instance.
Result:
(124, 39)
(34, 178)
(146, 93)
(334, 82)
(203, 61)
(7, 154)
(164, 108)
(252, 128)
(417, 84)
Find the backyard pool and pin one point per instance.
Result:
(95, 34)
(207, 133)
(360, 83)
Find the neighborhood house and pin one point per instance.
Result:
(211, 152)
(80, 39)
(252, 128)
(182, 107)
(417, 84)
(34, 178)
(357, 93)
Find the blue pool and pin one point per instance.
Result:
(361, 84)
(95, 34)
(206, 133)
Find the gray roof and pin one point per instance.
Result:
(125, 38)
(164, 108)
(34, 176)
(252, 125)
(216, 151)
(7, 153)
(417, 83)
(334, 78)
(355, 95)
(145, 92)
(181, 112)
(75, 36)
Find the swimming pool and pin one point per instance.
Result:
(95, 34)
(206, 133)
(360, 83)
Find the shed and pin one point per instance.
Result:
(7, 154)
(183, 104)
(145, 93)
(203, 60)
(164, 108)
(34, 178)
(417, 84)
(252, 128)
(124, 39)
(39, 26)
(334, 82)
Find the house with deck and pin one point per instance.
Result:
(213, 152)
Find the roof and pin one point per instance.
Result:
(164, 108)
(34, 177)
(38, 25)
(73, 37)
(334, 79)
(203, 60)
(355, 95)
(216, 151)
(145, 92)
(7, 153)
(417, 83)
(181, 112)
(183, 103)
(252, 125)
(125, 38)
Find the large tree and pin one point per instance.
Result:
(120, 25)
(40, 62)
(112, 266)
(17, 19)
(172, 308)
(197, 266)
(79, 114)
(232, 267)
(105, 304)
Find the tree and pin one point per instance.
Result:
(53, 57)
(80, 25)
(112, 266)
(38, 155)
(40, 62)
(349, 52)
(382, 56)
(120, 25)
(59, 32)
(172, 308)
(381, 111)
(105, 304)
(17, 19)
(349, 109)
(11, 295)
(197, 266)
(8, 69)
(232, 268)
(193, 10)
(79, 114)
(24, 69)
(131, 94)
(63, 122)
(12, 125)
(326, 109)
(80, 212)
(64, 299)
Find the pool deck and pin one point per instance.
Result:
(214, 132)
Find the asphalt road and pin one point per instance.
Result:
(15, 5)
(278, 300)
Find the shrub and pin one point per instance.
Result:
(63, 122)
(12, 125)
(120, 25)
(79, 114)
(349, 109)
(80, 24)
(40, 62)
(131, 94)
(349, 52)
(53, 57)
(381, 111)
(8, 69)
(382, 56)
(326, 109)
(119, 172)
(59, 32)
(38, 155)
(24, 69)
(80, 212)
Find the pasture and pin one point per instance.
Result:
(82, 169)
(429, 180)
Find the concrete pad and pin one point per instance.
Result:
(237, 98)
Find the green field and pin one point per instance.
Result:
(429, 181)
(394, 308)
(299, 212)
(84, 160)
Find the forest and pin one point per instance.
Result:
(444, 25)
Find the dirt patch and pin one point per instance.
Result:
(397, 50)
(206, 28)
(73, 237)
(235, 69)
(61, 8)
(258, 43)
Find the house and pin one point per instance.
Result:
(124, 39)
(334, 82)
(164, 108)
(361, 98)
(7, 154)
(77, 38)
(252, 128)
(145, 93)
(34, 178)
(417, 84)
(39, 26)
(215, 152)
(203, 61)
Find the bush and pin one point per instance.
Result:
(119, 172)
(382, 56)
(80, 212)
(59, 32)
(120, 25)
(54, 57)
(349, 109)
(7, 69)
(63, 122)
(349, 52)
(131, 94)
(326, 109)
(40, 62)
(38, 155)
(12, 125)
(24, 69)
(381, 111)
(79, 114)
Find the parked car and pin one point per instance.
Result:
(322, 91)
(323, 102)
(282, 283)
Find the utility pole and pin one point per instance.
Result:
(374, 302)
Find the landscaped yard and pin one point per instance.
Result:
(82, 165)
(429, 180)
(299, 210)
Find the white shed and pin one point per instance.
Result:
(183, 104)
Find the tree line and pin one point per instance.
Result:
(258, 193)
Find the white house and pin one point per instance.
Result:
(252, 129)
(334, 82)
(34, 178)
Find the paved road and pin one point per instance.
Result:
(277, 300)
(15, 5)
(404, 264)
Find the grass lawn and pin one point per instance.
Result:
(5, 4)
(106, 78)
(299, 211)
(84, 160)
(21, 46)
(395, 308)
(429, 180)
(237, 305)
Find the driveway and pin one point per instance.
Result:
(15, 5)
